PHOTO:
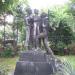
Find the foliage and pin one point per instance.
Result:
(18, 28)
(71, 48)
(61, 22)
(58, 13)
(19, 23)
(7, 5)
(61, 28)
(63, 34)
(8, 52)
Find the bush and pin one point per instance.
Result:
(8, 52)
(71, 48)
(58, 48)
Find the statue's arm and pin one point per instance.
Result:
(26, 21)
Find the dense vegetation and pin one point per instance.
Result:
(61, 27)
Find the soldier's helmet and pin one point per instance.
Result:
(29, 10)
(36, 11)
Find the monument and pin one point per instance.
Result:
(37, 60)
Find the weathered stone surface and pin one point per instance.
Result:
(33, 56)
(33, 68)
(34, 63)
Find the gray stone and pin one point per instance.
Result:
(33, 56)
(34, 63)
(23, 68)
(33, 68)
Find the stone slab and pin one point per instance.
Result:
(33, 56)
(33, 68)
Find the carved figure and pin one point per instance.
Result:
(43, 36)
(29, 28)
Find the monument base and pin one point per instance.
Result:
(35, 63)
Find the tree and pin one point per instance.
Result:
(61, 27)
(9, 5)
(6, 5)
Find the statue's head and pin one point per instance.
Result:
(36, 11)
(43, 15)
(29, 10)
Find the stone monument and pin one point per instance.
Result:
(36, 61)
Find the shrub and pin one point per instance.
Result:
(58, 48)
(71, 48)
(8, 52)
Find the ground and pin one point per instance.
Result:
(70, 59)
(9, 63)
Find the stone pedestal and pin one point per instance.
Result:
(34, 63)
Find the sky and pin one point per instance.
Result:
(40, 4)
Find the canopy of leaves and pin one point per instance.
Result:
(9, 5)
(61, 25)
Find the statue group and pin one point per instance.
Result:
(33, 61)
(36, 62)
(36, 30)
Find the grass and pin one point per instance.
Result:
(8, 64)
(11, 62)
(70, 59)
